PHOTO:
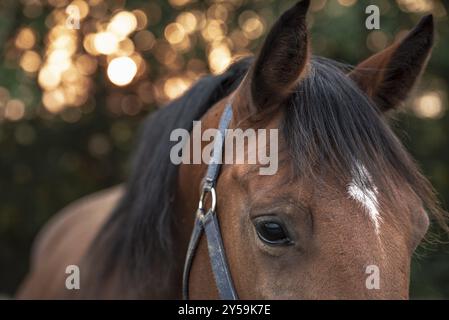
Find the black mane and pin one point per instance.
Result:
(137, 237)
(329, 124)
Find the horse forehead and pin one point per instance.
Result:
(247, 176)
(285, 183)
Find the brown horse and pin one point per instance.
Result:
(347, 199)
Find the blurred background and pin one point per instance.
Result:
(77, 77)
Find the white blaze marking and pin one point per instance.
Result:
(367, 197)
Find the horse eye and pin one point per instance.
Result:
(272, 233)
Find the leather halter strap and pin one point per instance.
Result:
(206, 221)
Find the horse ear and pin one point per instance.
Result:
(389, 76)
(282, 59)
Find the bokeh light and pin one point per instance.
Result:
(49, 77)
(30, 61)
(251, 24)
(174, 87)
(347, 3)
(106, 42)
(376, 41)
(132, 45)
(121, 71)
(188, 21)
(219, 58)
(122, 24)
(14, 110)
(429, 105)
(127, 46)
(415, 5)
(25, 39)
(175, 33)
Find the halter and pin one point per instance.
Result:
(207, 221)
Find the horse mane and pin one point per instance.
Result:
(332, 127)
(329, 124)
(137, 239)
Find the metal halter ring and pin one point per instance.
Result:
(206, 190)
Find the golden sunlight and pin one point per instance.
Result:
(122, 24)
(429, 105)
(174, 87)
(122, 70)
(25, 39)
(105, 42)
(30, 61)
(219, 58)
(174, 33)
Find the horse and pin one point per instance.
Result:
(346, 199)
